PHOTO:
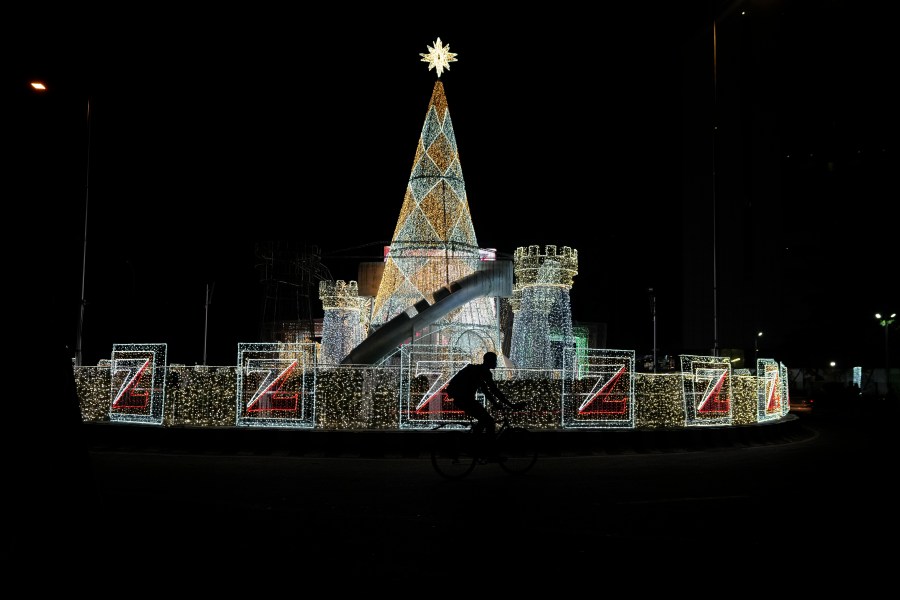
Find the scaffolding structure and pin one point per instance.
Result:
(290, 273)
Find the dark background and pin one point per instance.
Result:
(613, 131)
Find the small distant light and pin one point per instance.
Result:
(38, 86)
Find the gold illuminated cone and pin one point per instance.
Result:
(434, 242)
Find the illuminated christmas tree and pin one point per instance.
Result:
(434, 242)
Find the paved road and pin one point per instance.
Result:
(824, 504)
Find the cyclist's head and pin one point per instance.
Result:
(490, 359)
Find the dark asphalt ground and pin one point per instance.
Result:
(817, 503)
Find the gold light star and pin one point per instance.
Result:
(438, 57)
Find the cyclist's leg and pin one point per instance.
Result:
(484, 428)
(487, 431)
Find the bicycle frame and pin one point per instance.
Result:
(456, 454)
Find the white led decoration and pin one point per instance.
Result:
(438, 57)
(433, 248)
(598, 388)
(344, 321)
(706, 383)
(542, 310)
(771, 390)
(276, 385)
(137, 383)
(434, 244)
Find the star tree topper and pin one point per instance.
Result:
(439, 57)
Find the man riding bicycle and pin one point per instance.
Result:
(462, 388)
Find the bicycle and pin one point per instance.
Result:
(456, 450)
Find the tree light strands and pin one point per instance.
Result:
(434, 242)
(438, 57)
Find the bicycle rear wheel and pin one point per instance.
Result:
(519, 447)
(451, 454)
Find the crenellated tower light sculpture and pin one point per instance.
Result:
(542, 321)
(344, 322)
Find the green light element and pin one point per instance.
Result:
(885, 321)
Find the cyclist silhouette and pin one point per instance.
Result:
(462, 388)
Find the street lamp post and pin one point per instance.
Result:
(40, 87)
(87, 179)
(209, 293)
(885, 321)
(756, 345)
(653, 315)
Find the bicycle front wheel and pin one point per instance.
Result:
(451, 454)
(519, 447)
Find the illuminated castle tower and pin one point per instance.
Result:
(344, 321)
(542, 321)
(434, 242)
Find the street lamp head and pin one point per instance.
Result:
(885, 321)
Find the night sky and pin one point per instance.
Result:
(211, 133)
